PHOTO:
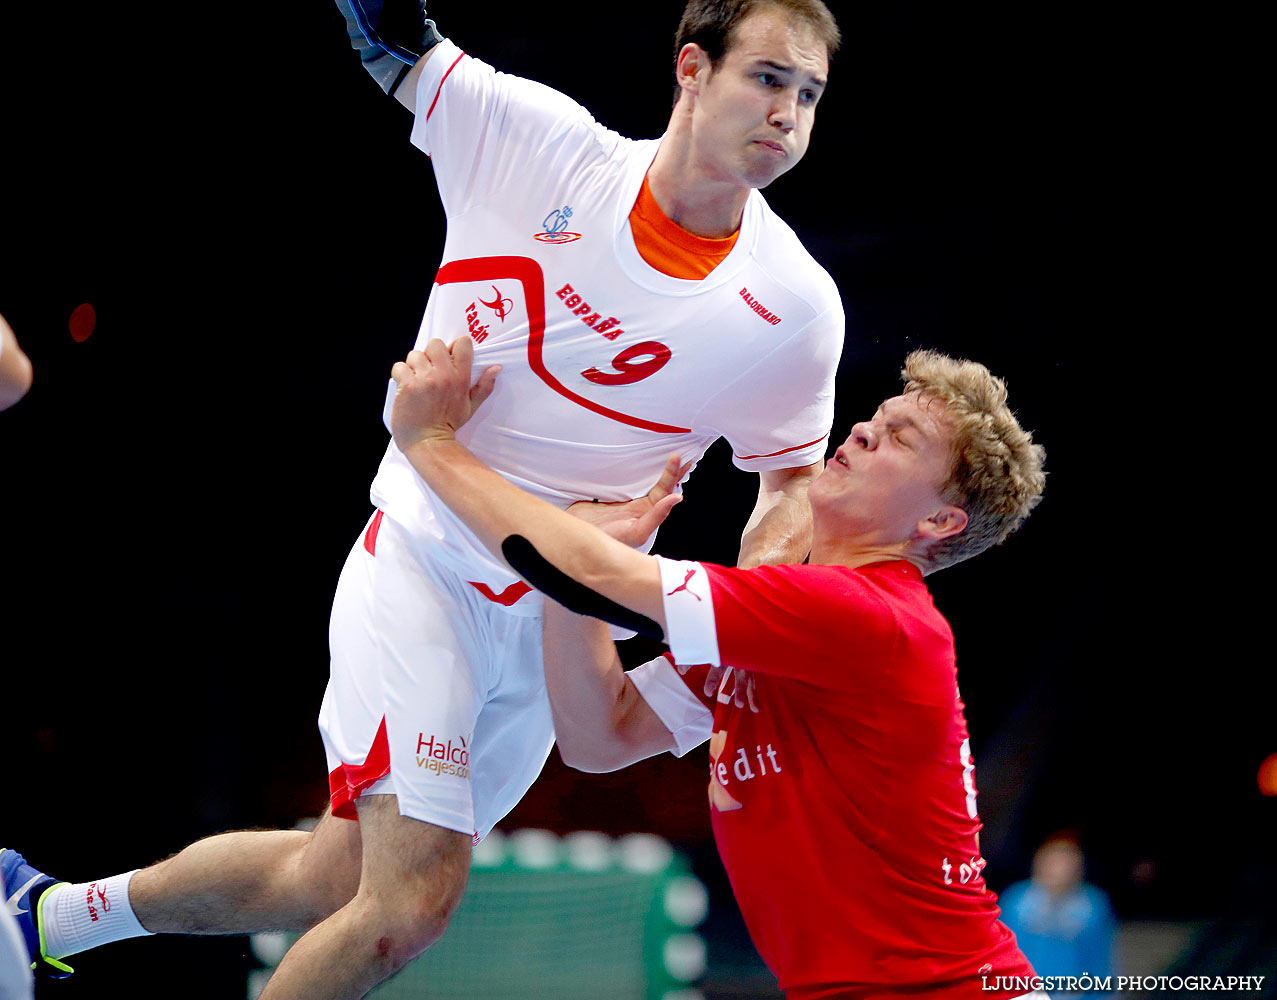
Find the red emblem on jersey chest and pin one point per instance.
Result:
(528, 273)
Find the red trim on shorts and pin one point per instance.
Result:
(370, 536)
(444, 77)
(507, 597)
(348, 781)
(783, 451)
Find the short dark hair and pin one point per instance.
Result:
(710, 23)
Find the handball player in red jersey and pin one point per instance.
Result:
(853, 755)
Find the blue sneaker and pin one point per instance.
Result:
(24, 889)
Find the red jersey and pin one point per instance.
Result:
(845, 809)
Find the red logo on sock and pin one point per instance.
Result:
(88, 899)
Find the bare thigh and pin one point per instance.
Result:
(331, 861)
(252, 880)
(417, 864)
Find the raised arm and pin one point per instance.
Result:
(589, 570)
(779, 529)
(394, 38)
(406, 94)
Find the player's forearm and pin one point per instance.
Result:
(495, 509)
(394, 38)
(779, 530)
(601, 721)
(782, 537)
(406, 92)
(585, 683)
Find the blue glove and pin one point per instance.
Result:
(389, 35)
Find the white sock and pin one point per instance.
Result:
(88, 914)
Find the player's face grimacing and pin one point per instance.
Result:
(756, 109)
(886, 478)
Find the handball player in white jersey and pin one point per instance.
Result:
(641, 299)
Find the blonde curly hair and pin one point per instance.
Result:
(996, 474)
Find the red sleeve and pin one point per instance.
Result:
(811, 623)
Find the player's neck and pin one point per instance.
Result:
(688, 195)
(853, 553)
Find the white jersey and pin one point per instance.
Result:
(609, 365)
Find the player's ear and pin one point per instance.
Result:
(946, 522)
(691, 68)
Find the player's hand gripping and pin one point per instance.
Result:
(633, 521)
(435, 397)
(743, 690)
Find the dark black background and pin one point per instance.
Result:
(242, 207)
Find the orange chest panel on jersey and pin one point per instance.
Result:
(670, 248)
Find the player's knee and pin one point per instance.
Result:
(407, 926)
(428, 902)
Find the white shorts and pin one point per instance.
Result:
(436, 693)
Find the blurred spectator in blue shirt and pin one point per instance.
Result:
(1063, 925)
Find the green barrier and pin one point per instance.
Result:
(561, 918)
